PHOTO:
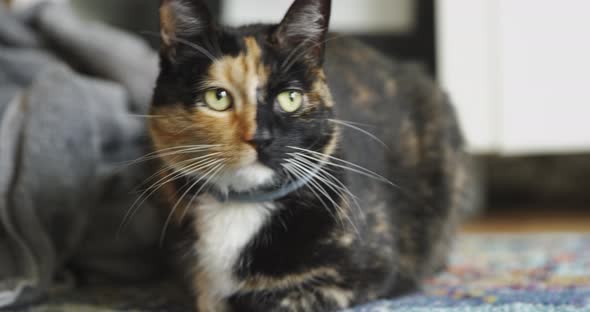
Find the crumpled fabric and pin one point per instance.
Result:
(71, 108)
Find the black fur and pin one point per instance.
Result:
(400, 231)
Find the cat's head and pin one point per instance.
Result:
(237, 104)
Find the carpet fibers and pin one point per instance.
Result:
(532, 272)
(491, 272)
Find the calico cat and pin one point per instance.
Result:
(311, 176)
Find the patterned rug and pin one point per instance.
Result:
(494, 273)
(544, 272)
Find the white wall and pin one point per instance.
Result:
(468, 66)
(545, 83)
(20, 5)
(519, 73)
(349, 16)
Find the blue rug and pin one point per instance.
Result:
(494, 273)
(544, 272)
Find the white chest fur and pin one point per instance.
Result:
(224, 229)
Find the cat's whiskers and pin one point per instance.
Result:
(299, 175)
(340, 185)
(354, 168)
(186, 171)
(341, 163)
(194, 172)
(363, 131)
(198, 48)
(351, 167)
(208, 182)
(293, 53)
(207, 175)
(342, 191)
(300, 55)
(323, 172)
(358, 124)
(138, 203)
(165, 167)
(304, 173)
(177, 164)
(147, 116)
(193, 45)
(170, 151)
(179, 153)
(199, 163)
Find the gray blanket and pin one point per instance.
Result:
(71, 117)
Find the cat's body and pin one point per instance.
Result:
(300, 209)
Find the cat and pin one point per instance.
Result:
(312, 173)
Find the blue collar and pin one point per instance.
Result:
(263, 195)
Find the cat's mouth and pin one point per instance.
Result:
(264, 186)
(246, 178)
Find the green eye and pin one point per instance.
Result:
(218, 99)
(290, 101)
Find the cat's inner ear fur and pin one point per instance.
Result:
(183, 20)
(305, 27)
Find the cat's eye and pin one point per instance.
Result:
(290, 101)
(218, 99)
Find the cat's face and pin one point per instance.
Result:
(234, 105)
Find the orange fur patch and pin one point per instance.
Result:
(241, 76)
(204, 300)
(262, 283)
(320, 87)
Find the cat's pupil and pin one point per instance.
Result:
(292, 96)
(220, 94)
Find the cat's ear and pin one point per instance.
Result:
(305, 27)
(184, 21)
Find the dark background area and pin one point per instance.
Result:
(418, 45)
(507, 182)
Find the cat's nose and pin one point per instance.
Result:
(262, 139)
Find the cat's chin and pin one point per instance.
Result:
(246, 178)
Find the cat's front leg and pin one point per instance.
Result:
(320, 298)
(205, 304)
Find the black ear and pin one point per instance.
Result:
(183, 22)
(305, 27)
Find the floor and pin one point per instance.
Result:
(529, 219)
